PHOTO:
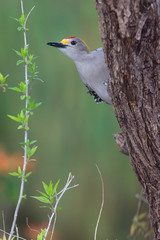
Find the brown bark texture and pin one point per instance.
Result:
(130, 33)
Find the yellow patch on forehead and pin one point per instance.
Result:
(86, 45)
(64, 41)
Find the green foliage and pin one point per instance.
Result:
(21, 22)
(48, 196)
(20, 174)
(141, 226)
(41, 235)
(3, 83)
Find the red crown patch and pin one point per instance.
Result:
(70, 37)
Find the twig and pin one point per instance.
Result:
(69, 180)
(76, 185)
(34, 230)
(102, 203)
(54, 223)
(12, 235)
(3, 220)
(55, 218)
(139, 204)
(25, 134)
(17, 232)
(28, 15)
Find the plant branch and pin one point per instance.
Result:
(69, 180)
(26, 131)
(102, 203)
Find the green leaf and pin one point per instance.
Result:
(58, 208)
(42, 199)
(52, 199)
(44, 207)
(24, 52)
(50, 188)
(23, 86)
(45, 187)
(41, 235)
(19, 62)
(28, 174)
(14, 174)
(32, 160)
(141, 216)
(20, 171)
(20, 127)
(15, 89)
(22, 97)
(55, 187)
(22, 19)
(4, 237)
(1, 77)
(43, 194)
(36, 105)
(19, 28)
(25, 196)
(14, 118)
(33, 141)
(18, 53)
(32, 151)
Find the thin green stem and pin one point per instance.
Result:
(25, 136)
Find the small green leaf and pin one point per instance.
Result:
(36, 105)
(32, 151)
(55, 187)
(4, 237)
(42, 199)
(14, 174)
(32, 160)
(22, 19)
(45, 187)
(33, 141)
(19, 28)
(23, 86)
(41, 235)
(28, 174)
(43, 194)
(25, 196)
(50, 188)
(1, 77)
(19, 170)
(14, 118)
(20, 127)
(24, 52)
(22, 97)
(52, 199)
(19, 62)
(58, 208)
(15, 89)
(18, 53)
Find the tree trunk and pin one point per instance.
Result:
(130, 33)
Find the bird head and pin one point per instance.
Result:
(73, 47)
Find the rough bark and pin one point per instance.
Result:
(130, 33)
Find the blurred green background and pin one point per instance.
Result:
(73, 132)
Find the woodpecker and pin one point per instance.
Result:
(91, 66)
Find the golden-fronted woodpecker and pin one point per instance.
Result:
(90, 65)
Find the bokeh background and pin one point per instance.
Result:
(73, 132)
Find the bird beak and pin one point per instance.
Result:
(57, 44)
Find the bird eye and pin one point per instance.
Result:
(73, 42)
